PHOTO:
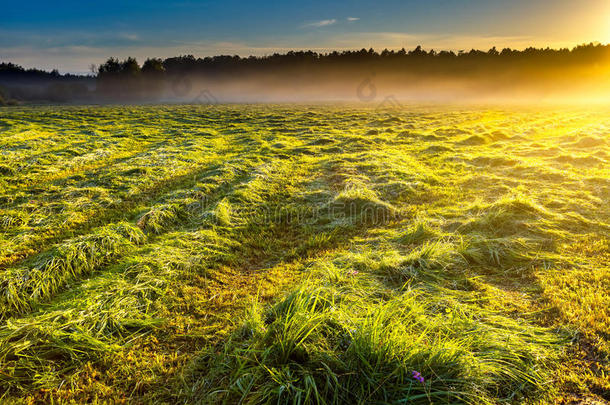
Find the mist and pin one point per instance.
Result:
(383, 79)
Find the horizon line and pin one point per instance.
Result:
(319, 51)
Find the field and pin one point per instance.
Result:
(304, 254)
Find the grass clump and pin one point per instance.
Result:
(498, 252)
(360, 203)
(509, 216)
(11, 219)
(222, 213)
(160, 217)
(430, 257)
(7, 170)
(418, 232)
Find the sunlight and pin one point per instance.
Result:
(263, 202)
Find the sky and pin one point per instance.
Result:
(72, 35)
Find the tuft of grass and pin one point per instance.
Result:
(498, 252)
(222, 213)
(360, 203)
(11, 219)
(418, 232)
(161, 217)
(7, 170)
(509, 215)
(431, 256)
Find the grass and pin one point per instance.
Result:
(24, 287)
(355, 340)
(301, 254)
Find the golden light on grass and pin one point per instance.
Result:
(408, 239)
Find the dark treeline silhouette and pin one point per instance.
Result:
(417, 60)
(324, 75)
(127, 79)
(19, 84)
(297, 75)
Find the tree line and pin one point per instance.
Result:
(20, 84)
(127, 79)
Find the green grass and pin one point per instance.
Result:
(304, 254)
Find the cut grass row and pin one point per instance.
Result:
(82, 219)
(41, 277)
(151, 268)
(258, 191)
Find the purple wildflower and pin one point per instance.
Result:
(416, 375)
(352, 272)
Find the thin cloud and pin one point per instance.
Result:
(322, 23)
(353, 19)
(129, 37)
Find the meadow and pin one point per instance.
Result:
(300, 254)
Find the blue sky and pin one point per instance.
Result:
(71, 35)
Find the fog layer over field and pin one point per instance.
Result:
(532, 75)
(386, 89)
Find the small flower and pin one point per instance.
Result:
(416, 375)
(352, 272)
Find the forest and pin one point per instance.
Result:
(334, 74)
